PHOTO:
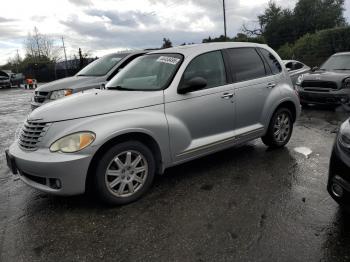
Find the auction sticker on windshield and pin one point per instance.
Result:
(168, 60)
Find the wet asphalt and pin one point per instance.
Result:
(243, 204)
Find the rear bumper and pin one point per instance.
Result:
(40, 169)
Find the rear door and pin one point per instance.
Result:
(254, 81)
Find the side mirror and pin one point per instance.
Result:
(195, 83)
(102, 86)
(289, 69)
(315, 68)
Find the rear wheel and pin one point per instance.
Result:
(280, 129)
(124, 173)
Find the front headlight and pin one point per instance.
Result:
(73, 143)
(60, 93)
(300, 80)
(344, 135)
(346, 82)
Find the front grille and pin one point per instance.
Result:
(37, 179)
(319, 84)
(40, 97)
(31, 134)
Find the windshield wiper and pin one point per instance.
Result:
(342, 69)
(120, 88)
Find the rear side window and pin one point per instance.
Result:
(209, 66)
(272, 61)
(246, 64)
(290, 66)
(298, 66)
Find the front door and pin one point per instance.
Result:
(202, 121)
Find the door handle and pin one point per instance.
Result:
(227, 95)
(271, 85)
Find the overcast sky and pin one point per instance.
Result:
(109, 25)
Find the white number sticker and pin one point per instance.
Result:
(168, 60)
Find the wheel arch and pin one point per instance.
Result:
(289, 105)
(144, 138)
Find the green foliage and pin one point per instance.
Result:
(239, 38)
(314, 15)
(280, 26)
(314, 49)
(286, 51)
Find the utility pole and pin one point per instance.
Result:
(17, 62)
(65, 56)
(224, 11)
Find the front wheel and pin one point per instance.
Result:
(124, 173)
(280, 129)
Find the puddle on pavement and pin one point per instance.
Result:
(304, 151)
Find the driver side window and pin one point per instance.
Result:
(209, 66)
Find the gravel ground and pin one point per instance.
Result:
(242, 204)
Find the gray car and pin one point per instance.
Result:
(165, 108)
(296, 69)
(94, 75)
(327, 85)
(5, 81)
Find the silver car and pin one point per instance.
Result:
(165, 108)
(296, 69)
(94, 75)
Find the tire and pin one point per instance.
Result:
(272, 139)
(115, 186)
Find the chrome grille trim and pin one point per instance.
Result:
(31, 134)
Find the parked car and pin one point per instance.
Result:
(94, 75)
(4, 80)
(295, 69)
(329, 84)
(165, 108)
(339, 169)
(17, 79)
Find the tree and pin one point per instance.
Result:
(239, 38)
(41, 47)
(166, 43)
(280, 26)
(315, 15)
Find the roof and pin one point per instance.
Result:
(342, 53)
(196, 49)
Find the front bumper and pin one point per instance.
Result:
(324, 98)
(41, 169)
(5, 85)
(339, 172)
(35, 105)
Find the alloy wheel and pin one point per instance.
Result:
(281, 129)
(126, 173)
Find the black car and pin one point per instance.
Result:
(339, 168)
(328, 85)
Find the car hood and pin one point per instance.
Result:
(73, 82)
(335, 76)
(95, 102)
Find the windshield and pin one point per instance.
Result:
(101, 66)
(338, 62)
(147, 73)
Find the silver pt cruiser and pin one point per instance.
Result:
(165, 108)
